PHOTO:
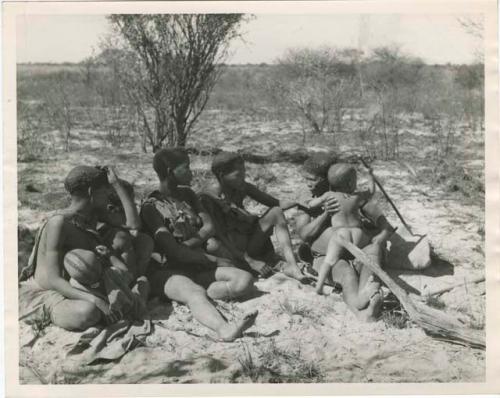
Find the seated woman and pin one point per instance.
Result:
(180, 227)
(354, 278)
(44, 282)
(245, 235)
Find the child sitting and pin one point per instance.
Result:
(346, 223)
(119, 231)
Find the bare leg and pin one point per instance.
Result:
(182, 289)
(75, 315)
(333, 253)
(230, 283)
(347, 277)
(275, 218)
(368, 283)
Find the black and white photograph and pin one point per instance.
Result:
(250, 197)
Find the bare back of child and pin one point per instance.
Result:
(346, 223)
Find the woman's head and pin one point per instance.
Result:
(90, 183)
(316, 168)
(229, 168)
(172, 164)
(342, 177)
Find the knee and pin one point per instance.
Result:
(122, 241)
(86, 315)
(277, 215)
(242, 283)
(213, 245)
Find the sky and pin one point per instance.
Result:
(434, 38)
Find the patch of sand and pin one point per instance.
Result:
(298, 336)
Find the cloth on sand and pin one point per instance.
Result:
(110, 343)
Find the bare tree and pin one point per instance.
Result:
(316, 85)
(392, 77)
(168, 65)
(59, 110)
(474, 26)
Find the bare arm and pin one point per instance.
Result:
(50, 276)
(310, 230)
(167, 243)
(268, 200)
(207, 230)
(260, 196)
(373, 212)
(133, 220)
(315, 202)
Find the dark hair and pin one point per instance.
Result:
(318, 164)
(81, 178)
(168, 159)
(225, 162)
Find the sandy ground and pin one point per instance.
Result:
(298, 336)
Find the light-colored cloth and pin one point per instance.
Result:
(110, 343)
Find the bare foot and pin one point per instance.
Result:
(319, 289)
(371, 313)
(260, 266)
(293, 271)
(232, 331)
(367, 292)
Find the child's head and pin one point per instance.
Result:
(172, 164)
(229, 168)
(342, 178)
(91, 183)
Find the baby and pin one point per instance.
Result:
(346, 223)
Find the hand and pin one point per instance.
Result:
(110, 316)
(112, 177)
(330, 203)
(103, 251)
(263, 269)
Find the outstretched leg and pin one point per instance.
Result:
(275, 218)
(182, 289)
(226, 283)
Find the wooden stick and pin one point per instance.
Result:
(387, 197)
(442, 290)
(433, 321)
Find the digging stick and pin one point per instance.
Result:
(387, 197)
(435, 292)
(435, 322)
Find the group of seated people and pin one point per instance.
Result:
(101, 252)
